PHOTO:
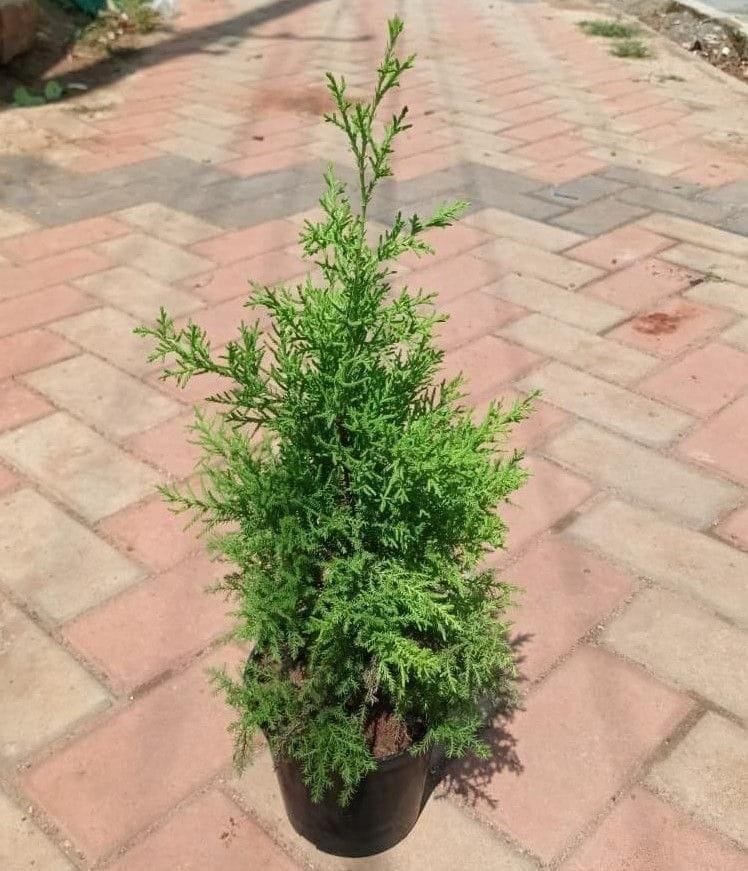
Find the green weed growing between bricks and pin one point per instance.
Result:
(624, 35)
(353, 493)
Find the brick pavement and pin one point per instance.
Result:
(603, 259)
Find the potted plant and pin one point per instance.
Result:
(355, 498)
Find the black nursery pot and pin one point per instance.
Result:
(383, 810)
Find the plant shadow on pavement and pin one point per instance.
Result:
(469, 779)
(110, 68)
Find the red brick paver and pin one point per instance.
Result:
(603, 258)
(583, 733)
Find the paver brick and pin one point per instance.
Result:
(553, 148)
(257, 164)
(735, 528)
(525, 259)
(101, 201)
(736, 223)
(705, 775)
(620, 247)
(721, 293)
(564, 592)
(8, 481)
(115, 403)
(703, 381)
(680, 559)
(236, 279)
(506, 225)
(45, 692)
(221, 322)
(737, 334)
(641, 284)
(708, 261)
(563, 305)
(488, 363)
(722, 441)
(19, 405)
(549, 495)
(48, 271)
(77, 465)
(109, 784)
(35, 309)
(734, 193)
(530, 112)
(670, 327)
(168, 446)
(138, 294)
(684, 645)
(602, 357)
(473, 315)
(594, 706)
(509, 200)
(152, 533)
(72, 572)
(31, 349)
(112, 158)
(13, 224)
(200, 152)
(456, 276)
(23, 846)
(171, 616)
(108, 333)
(580, 191)
(598, 217)
(445, 837)
(662, 201)
(55, 240)
(461, 238)
(168, 224)
(643, 475)
(643, 834)
(607, 404)
(532, 431)
(696, 233)
(211, 832)
(242, 244)
(540, 129)
(158, 259)
(203, 132)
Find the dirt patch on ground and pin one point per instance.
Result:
(313, 100)
(717, 43)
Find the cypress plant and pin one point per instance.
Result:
(351, 492)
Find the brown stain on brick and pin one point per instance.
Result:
(661, 323)
(308, 101)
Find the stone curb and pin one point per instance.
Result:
(708, 11)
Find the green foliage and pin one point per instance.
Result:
(24, 98)
(609, 29)
(630, 48)
(53, 91)
(351, 491)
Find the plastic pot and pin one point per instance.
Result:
(381, 813)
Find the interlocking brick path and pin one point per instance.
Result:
(603, 258)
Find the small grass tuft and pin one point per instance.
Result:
(630, 48)
(609, 29)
